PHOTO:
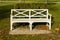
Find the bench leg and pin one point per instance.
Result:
(30, 25)
(11, 26)
(49, 26)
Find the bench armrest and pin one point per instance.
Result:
(49, 16)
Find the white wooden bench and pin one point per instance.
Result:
(30, 16)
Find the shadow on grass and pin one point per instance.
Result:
(5, 11)
(17, 25)
(52, 21)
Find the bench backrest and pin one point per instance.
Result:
(29, 13)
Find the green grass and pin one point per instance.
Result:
(34, 0)
(54, 10)
(7, 3)
(53, 0)
(4, 23)
(27, 0)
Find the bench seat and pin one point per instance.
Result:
(31, 20)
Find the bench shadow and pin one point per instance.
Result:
(21, 25)
(38, 24)
(52, 19)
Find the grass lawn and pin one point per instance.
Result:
(53, 0)
(54, 9)
(34, 0)
(27, 0)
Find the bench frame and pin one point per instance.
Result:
(47, 19)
